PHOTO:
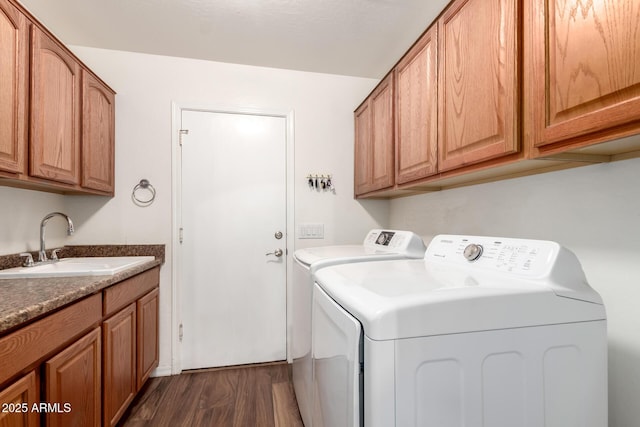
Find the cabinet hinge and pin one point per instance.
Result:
(181, 234)
(180, 332)
(183, 132)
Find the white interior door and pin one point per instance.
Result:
(233, 189)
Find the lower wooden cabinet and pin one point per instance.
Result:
(119, 333)
(72, 380)
(148, 348)
(17, 400)
(84, 364)
(130, 353)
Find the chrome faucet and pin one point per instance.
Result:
(42, 255)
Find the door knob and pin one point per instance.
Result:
(278, 235)
(277, 252)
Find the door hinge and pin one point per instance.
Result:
(180, 332)
(183, 132)
(181, 234)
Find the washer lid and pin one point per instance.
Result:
(413, 298)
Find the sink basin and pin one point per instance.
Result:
(90, 266)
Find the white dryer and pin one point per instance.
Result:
(377, 245)
(483, 332)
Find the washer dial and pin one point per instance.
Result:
(472, 252)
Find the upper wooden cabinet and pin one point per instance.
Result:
(56, 117)
(374, 148)
(523, 87)
(98, 139)
(362, 145)
(417, 110)
(14, 62)
(478, 81)
(585, 75)
(55, 111)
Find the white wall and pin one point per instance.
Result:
(592, 210)
(146, 85)
(21, 212)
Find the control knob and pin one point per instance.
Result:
(472, 252)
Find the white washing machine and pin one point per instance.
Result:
(482, 332)
(377, 245)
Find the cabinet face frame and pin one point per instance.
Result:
(54, 149)
(416, 92)
(479, 47)
(584, 84)
(14, 69)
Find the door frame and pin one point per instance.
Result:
(176, 203)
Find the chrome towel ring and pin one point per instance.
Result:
(144, 184)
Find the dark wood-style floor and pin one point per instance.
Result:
(259, 395)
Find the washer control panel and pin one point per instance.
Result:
(399, 241)
(497, 260)
(523, 257)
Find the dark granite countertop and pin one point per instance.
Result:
(22, 300)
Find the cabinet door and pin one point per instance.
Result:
(148, 350)
(363, 155)
(20, 397)
(417, 111)
(382, 145)
(55, 111)
(586, 74)
(119, 367)
(98, 127)
(374, 135)
(478, 82)
(72, 381)
(14, 61)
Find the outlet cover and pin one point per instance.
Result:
(311, 231)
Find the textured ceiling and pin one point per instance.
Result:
(350, 37)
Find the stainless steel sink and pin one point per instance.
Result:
(90, 266)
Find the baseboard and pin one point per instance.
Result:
(161, 371)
